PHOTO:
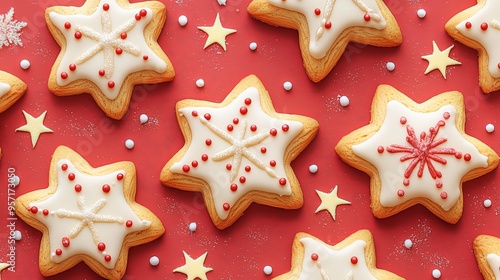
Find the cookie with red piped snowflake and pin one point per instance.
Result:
(326, 27)
(238, 152)
(478, 27)
(107, 47)
(87, 214)
(11, 89)
(352, 258)
(487, 252)
(417, 153)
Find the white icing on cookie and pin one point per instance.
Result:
(322, 262)
(484, 27)
(327, 19)
(106, 46)
(494, 262)
(4, 88)
(406, 171)
(87, 215)
(236, 149)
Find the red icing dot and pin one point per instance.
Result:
(243, 179)
(78, 188)
(234, 187)
(273, 131)
(101, 72)
(194, 114)
(105, 6)
(208, 142)
(65, 242)
(194, 163)
(401, 193)
(71, 176)
(263, 150)
(64, 75)
(58, 252)
(111, 84)
(314, 256)
(230, 127)
(119, 176)
(78, 35)
(185, 168)
(129, 223)
(446, 115)
(468, 25)
(64, 167)
(282, 181)
(204, 157)
(406, 182)
(328, 25)
(33, 209)
(101, 246)
(248, 101)
(145, 57)
(118, 51)
(439, 184)
(272, 163)
(72, 67)
(67, 25)
(45, 212)
(107, 258)
(123, 35)
(236, 120)
(317, 11)
(402, 120)
(137, 16)
(143, 13)
(226, 206)
(229, 166)
(253, 127)
(106, 188)
(467, 157)
(498, 65)
(248, 168)
(444, 195)
(207, 116)
(367, 17)
(354, 260)
(243, 110)
(484, 26)
(285, 127)
(380, 149)
(458, 155)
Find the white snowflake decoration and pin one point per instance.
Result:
(10, 30)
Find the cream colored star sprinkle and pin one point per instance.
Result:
(194, 268)
(34, 126)
(216, 33)
(330, 201)
(439, 59)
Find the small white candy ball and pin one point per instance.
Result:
(15, 180)
(183, 20)
(421, 13)
(200, 83)
(192, 227)
(344, 101)
(436, 273)
(487, 203)
(490, 128)
(143, 118)
(154, 261)
(268, 270)
(129, 143)
(17, 235)
(408, 243)
(25, 64)
(390, 66)
(253, 46)
(313, 168)
(287, 85)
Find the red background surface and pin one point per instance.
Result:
(263, 236)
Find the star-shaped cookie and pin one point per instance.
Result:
(417, 153)
(330, 201)
(194, 268)
(238, 152)
(478, 27)
(352, 258)
(34, 126)
(216, 33)
(325, 27)
(487, 252)
(439, 59)
(107, 47)
(87, 214)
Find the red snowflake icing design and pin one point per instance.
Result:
(423, 151)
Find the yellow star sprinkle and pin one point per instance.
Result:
(216, 33)
(34, 126)
(439, 59)
(330, 201)
(194, 268)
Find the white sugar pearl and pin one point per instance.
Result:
(408, 243)
(436, 273)
(17, 235)
(143, 118)
(183, 20)
(253, 46)
(154, 261)
(129, 143)
(344, 101)
(490, 128)
(268, 270)
(15, 180)
(287, 85)
(200, 83)
(25, 64)
(313, 168)
(390, 66)
(192, 227)
(421, 13)
(487, 203)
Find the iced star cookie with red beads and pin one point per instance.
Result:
(417, 153)
(87, 214)
(487, 253)
(352, 258)
(478, 27)
(11, 89)
(107, 47)
(238, 152)
(326, 27)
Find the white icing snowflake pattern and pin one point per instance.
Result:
(10, 29)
